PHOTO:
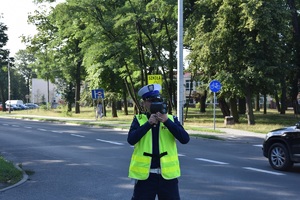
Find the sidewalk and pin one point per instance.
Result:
(226, 133)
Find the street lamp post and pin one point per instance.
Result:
(180, 91)
(48, 93)
(8, 77)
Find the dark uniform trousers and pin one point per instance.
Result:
(156, 185)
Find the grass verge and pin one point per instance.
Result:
(9, 174)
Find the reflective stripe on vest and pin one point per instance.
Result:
(140, 164)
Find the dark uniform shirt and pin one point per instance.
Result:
(136, 132)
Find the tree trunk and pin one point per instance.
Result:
(69, 106)
(257, 104)
(3, 98)
(250, 115)
(294, 92)
(114, 109)
(265, 104)
(104, 108)
(70, 97)
(224, 107)
(242, 106)
(77, 88)
(119, 105)
(136, 110)
(234, 111)
(283, 97)
(203, 102)
(277, 102)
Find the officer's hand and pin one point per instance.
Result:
(153, 119)
(161, 117)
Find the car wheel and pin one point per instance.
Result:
(279, 157)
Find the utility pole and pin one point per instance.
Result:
(180, 91)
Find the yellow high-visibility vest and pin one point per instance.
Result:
(140, 164)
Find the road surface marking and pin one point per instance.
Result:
(263, 171)
(57, 131)
(212, 161)
(111, 142)
(81, 136)
(41, 129)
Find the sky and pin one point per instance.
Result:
(15, 15)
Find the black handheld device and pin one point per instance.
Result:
(158, 107)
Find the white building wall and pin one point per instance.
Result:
(39, 90)
(187, 86)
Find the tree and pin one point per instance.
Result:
(57, 50)
(4, 56)
(23, 63)
(130, 39)
(238, 43)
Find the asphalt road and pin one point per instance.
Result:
(86, 163)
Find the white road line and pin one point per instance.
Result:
(264, 171)
(57, 132)
(258, 145)
(212, 161)
(111, 142)
(181, 155)
(40, 129)
(81, 136)
(28, 127)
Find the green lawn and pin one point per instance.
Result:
(194, 119)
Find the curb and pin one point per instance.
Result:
(24, 179)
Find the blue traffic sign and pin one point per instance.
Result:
(215, 86)
(98, 93)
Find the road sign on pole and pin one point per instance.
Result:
(215, 86)
(98, 93)
(152, 79)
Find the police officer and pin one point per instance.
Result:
(154, 163)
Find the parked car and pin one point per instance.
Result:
(22, 106)
(15, 107)
(31, 105)
(282, 147)
(9, 107)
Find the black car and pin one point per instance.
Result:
(282, 147)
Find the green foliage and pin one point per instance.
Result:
(4, 54)
(241, 44)
(65, 112)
